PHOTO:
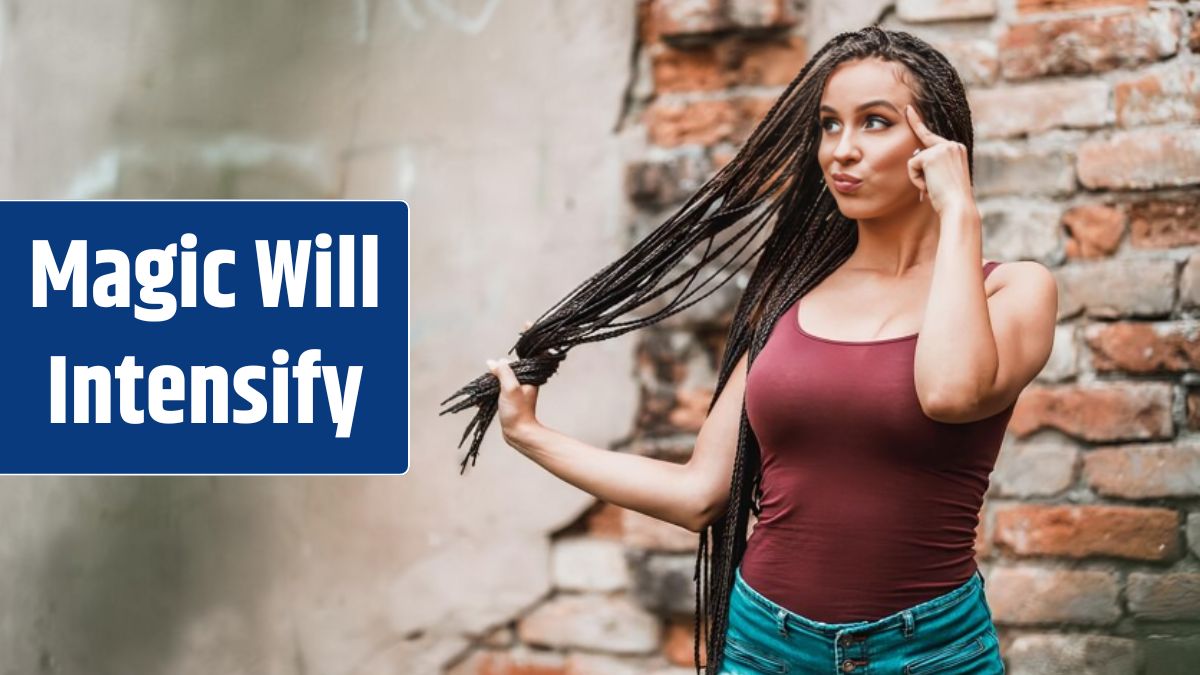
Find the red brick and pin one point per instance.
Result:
(674, 447)
(697, 69)
(1164, 597)
(1117, 287)
(691, 408)
(585, 663)
(1078, 45)
(975, 59)
(647, 532)
(1072, 653)
(1023, 169)
(944, 10)
(1097, 411)
(1144, 471)
(1193, 409)
(647, 30)
(1031, 596)
(674, 18)
(679, 645)
(1034, 469)
(613, 624)
(494, 662)
(1142, 159)
(1194, 35)
(1144, 348)
(688, 20)
(1036, 6)
(772, 63)
(728, 63)
(662, 182)
(705, 122)
(1021, 229)
(1034, 108)
(983, 539)
(605, 521)
(702, 122)
(1165, 223)
(1093, 230)
(1165, 95)
(754, 14)
(1131, 532)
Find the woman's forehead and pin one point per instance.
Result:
(856, 82)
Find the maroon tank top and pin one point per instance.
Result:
(868, 505)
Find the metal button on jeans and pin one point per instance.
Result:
(847, 666)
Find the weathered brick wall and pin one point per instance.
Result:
(1087, 160)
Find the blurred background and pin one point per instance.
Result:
(536, 140)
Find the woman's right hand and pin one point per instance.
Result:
(518, 402)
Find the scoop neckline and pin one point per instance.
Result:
(795, 320)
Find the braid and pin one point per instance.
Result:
(774, 178)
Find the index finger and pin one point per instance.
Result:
(923, 133)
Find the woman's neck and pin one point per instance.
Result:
(898, 244)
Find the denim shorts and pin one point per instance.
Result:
(951, 633)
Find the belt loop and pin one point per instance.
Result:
(908, 623)
(781, 619)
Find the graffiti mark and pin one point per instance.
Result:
(97, 180)
(306, 165)
(446, 13)
(362, 21)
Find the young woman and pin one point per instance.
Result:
(871, 369)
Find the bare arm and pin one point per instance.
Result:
(689, 495)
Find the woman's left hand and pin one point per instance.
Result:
(940, 169)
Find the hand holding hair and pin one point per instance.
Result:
(699, 249)
(517, 405)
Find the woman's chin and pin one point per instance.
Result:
(856, 209)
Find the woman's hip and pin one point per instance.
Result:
(950, 633)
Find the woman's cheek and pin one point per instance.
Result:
(895, 165)
(822, 156)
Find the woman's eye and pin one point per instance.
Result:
(877, 117)
(870, 118)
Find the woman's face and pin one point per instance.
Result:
(864, 134)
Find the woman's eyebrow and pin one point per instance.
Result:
(868, 104)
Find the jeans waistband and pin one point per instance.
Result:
(904, 619)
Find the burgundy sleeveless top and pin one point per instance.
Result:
(868, 505)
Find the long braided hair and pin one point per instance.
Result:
(774, 175)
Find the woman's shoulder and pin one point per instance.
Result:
(1025, 272)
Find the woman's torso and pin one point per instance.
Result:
(869, 506)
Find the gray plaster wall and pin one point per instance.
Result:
(495, 120)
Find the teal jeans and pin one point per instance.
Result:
(951, 633)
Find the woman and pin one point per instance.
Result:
(871, 368)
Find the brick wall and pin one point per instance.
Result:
(1087, 160)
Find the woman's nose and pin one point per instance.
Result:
(846, 149)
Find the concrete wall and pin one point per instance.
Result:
(494, 120)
